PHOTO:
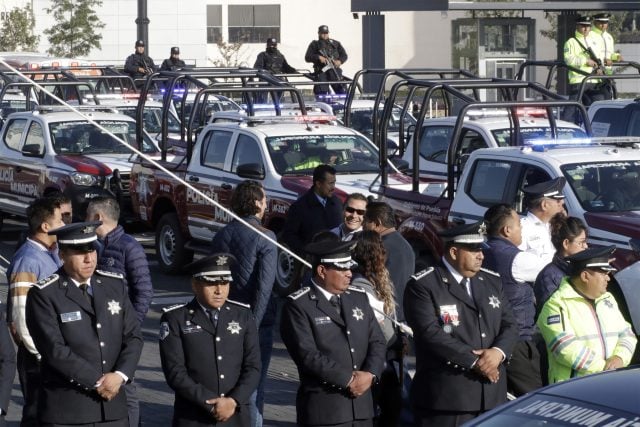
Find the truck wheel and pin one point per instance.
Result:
(286, 270)
(170, 245)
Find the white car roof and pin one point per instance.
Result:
(499, 122)
(563, 155)
(64, 116)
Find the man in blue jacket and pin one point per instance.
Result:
(254, 272)
(120, 253)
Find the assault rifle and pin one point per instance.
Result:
(330, 65)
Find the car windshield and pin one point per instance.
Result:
(531, 135)
(362, 120)
(82, 137)
(605, 186)
(300, 154)
(153, 119)
(552, 411)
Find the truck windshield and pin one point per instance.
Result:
(362, 120)
(293, 155)
(531, 135)
(82, 137)
(605, 186)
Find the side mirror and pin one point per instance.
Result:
(399, 163)
(251, 171)
(32, 150)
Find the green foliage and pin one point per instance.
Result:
(76, 29)
(616, 24)
(16, 33)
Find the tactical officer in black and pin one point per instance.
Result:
(174, 62)
(327, 56)
(138, 65)
(273, 60)
(209, 350)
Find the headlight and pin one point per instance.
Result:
(84, 179)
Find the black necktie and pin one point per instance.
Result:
(335, 302)
(85, 292)
(213, 315)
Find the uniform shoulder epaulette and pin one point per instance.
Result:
(493, 273)
(241, 304)
(297, 294)
(357, 289)
(420, 274)
(172, 307)
(110, 274)
(41, 284)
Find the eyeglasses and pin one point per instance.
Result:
(360, 212)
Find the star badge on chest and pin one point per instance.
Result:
(494, 301)
(234, 328)
(358, 314)
(114, 307)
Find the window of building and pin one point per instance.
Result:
(253, 23)
(214, 23)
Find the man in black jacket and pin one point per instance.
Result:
(273, 60)
(174, 62)
(335, 341)
(327, 56)
(138, 65)
(86, 330)
(209, 350)
(464, 331)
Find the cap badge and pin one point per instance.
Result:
(494, 301)
(222, 260)
(88, 229)
(358, 314)
(482, 229)
(114, 307)
(234, 327)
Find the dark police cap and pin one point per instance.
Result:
(140, 43)
(583, 20)
(329, 252)
(551, 189)
(175, 50)
(469, 235)
(602, 17)
(323, 29)
(595, 258)
(79, 235)
(272, 41)
(213, 268)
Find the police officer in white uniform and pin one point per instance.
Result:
(544, 201)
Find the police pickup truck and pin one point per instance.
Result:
(280, 152)
(51, 150)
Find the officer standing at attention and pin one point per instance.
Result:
(464, 331)
(604, 44)
(86, 330)
(335, 341)
(582, 325)
(327, 56)
(273, 60)
(544, 200)
(138, 65)
(209, 350)
(174, 62)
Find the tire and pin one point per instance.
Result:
(287, 269)
(170, 241)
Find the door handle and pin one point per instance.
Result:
(194, 178)
(226, 186)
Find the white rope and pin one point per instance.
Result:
(156, 164)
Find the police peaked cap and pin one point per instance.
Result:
(604, 17)
(272, 41)
(471, 235)
(330, 252)
(551, 189)
(140, 43)
(583, 20)
(175, 50)
(213, 268)
(78, 235)
(596, 258)
(323, 29)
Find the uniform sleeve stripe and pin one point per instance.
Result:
(24, 276)
(561, 341)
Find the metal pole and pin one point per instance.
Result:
(142, 21)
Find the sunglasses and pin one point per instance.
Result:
(351, 210)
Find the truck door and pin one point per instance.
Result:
(208, 174)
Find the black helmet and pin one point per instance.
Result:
(175, 50)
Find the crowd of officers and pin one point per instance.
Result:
(512, 304)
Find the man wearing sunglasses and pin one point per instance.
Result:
(352, 217)
(581, 323)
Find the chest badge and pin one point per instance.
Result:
(494, 301)
(358, 314)
(234, 328)
(449, 316)
(114, 307)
